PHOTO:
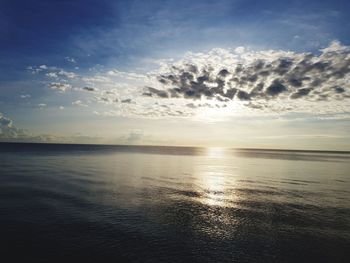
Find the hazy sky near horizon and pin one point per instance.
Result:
(232, 73)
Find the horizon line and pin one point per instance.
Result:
(181, 146)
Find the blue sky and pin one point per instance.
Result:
(121, 32)
(93, 39)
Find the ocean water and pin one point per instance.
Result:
(84, 203)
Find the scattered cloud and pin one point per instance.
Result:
(10, 133)
(67, 74)
(70, 59)
(8, 130)
(5, 122)
(25, 96)
(61, 87)
(230, 81)
(52, 75)
(89, 89)
(134, 136)
(42, 105)
(79, 103)
(52, 72)
(126, 101)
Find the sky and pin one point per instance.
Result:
(225, 73)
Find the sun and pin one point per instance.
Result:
(214, 111)
(216, 152)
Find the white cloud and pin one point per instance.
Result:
(79, 103)
(61, 87)
(8, 131)
(239, 50)
(5, 122)
(52, 75)
(70, 59)
(42, 105)
(67, 74)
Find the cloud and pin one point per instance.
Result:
(134, 136)
(89, 89)
(263, 77)
(236, 81)
(5, 122)
(42, 105)
(25, 96)
(70, 59)
(79, 103)
(61, 87)
(53, 72)
(41, 68)
(52, 75)
(126, 101)
(67, 74)
(8, 131)
(159, 93)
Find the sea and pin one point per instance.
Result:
(102, 203)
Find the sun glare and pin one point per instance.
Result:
(216, 152)
(214, 112)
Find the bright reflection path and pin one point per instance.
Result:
(215, 176)
(216, 152)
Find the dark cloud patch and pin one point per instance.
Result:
(191, 105)
(275, 88)
(242, 95)
(222, 99)
(230, 93)
(295, 82)
(252, 78)
(258, 65)
(126, 101)
(223, 73)
(61, 87)
(339, 90)
(102, 99)
(159, 93)
(89, 89)
(192, 68)
(300, 93)
(283, 66)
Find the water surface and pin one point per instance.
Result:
(86, 203)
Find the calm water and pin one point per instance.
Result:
(66, 203)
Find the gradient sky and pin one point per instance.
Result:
(262, 74)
